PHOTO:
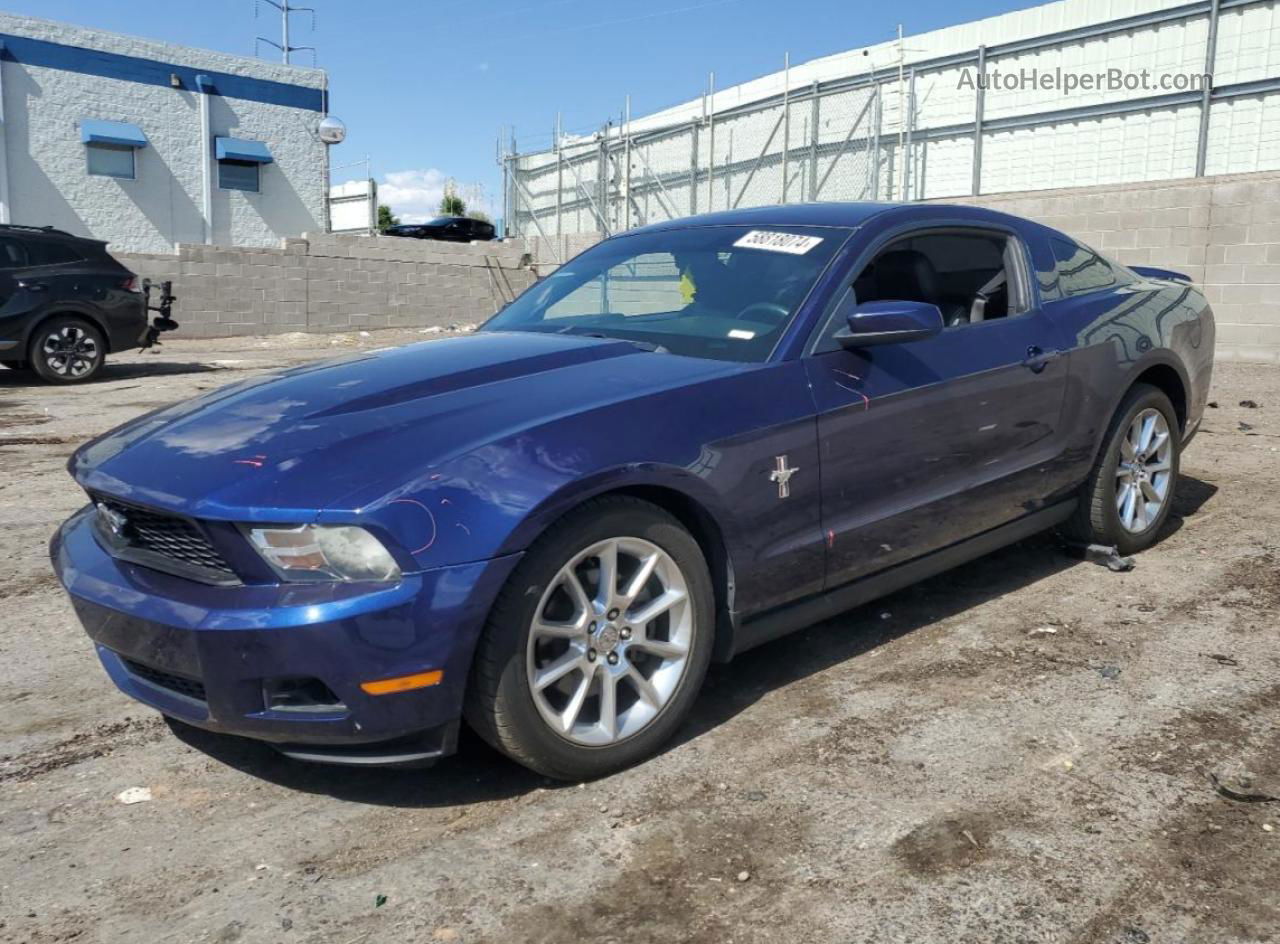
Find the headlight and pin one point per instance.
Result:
(324, 552)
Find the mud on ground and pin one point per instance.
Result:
(1016, 751)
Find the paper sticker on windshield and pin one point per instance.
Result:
(790, 243)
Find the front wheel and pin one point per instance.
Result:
(597, 646)
(1130, 489)
(67, 349)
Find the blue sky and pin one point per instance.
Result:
(424, 85)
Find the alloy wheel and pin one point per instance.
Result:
(1144, 472)
(70, 351)
(610, 641)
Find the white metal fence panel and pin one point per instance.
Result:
(947, 126)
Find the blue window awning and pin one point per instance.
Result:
(242, 149)
(93, 131)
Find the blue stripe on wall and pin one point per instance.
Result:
(109, 65)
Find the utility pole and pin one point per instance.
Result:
(285, 11)
(902, 97)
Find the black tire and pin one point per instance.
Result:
(67, 349)
(1097, 519)
(500, 704)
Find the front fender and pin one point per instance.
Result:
(633, 476)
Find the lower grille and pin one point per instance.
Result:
(166, 542)
(191, 688)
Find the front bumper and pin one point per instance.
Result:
(211, 656)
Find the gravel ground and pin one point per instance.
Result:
(1016, 751)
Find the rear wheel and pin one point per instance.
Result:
(67, 349)
(1130, 489)
(598, 644)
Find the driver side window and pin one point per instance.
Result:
(971, 276)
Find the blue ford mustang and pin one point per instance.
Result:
(690, 439)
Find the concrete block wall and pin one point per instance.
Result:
(336, 283)
(1223, 231)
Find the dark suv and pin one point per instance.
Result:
(65, 304)
(454, 229)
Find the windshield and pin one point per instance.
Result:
(723, 292)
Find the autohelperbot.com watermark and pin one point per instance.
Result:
(1066, 81)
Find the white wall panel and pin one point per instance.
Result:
(1244, 135)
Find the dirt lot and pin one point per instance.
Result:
(1016, 751)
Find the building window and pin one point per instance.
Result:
(239, 175)
(109, 147)
(111, 160)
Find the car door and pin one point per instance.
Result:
(926, 443)
(13, 258)
(24, 295)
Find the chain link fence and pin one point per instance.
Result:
(814, 146)
(929, 129)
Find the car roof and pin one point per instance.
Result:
(845, 215)
(49, 232)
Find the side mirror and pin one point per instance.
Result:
(886, 322)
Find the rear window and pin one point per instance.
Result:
(1080, 269)
(41, 252)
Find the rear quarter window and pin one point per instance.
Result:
(41, 253)
(12, 254)
(1080, 269)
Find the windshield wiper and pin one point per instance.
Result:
(650, 346)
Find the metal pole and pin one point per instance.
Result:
(602, 181)
(711, 140)
(559, 176)
(908, 158)
(626, 171)
(902, 93)
(1210, 55)
(506, 184)
(370, 195)
(515, 175)
(693, 168)
(979, 106)
(813, 144)
(786, 120)
(284, 12)
(875, 144)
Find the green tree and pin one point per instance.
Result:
(386, 218)
(479, 215)
(452, 204)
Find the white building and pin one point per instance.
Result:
(913, 121)
(147, 145)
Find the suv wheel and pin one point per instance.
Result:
(67, 349)
(596, 647)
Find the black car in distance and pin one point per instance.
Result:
(453, 229)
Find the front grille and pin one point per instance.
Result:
(164, 538)
(192, 688)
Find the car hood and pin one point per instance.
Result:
(343, 433)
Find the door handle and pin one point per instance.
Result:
(1038, 358)
(33, 286)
